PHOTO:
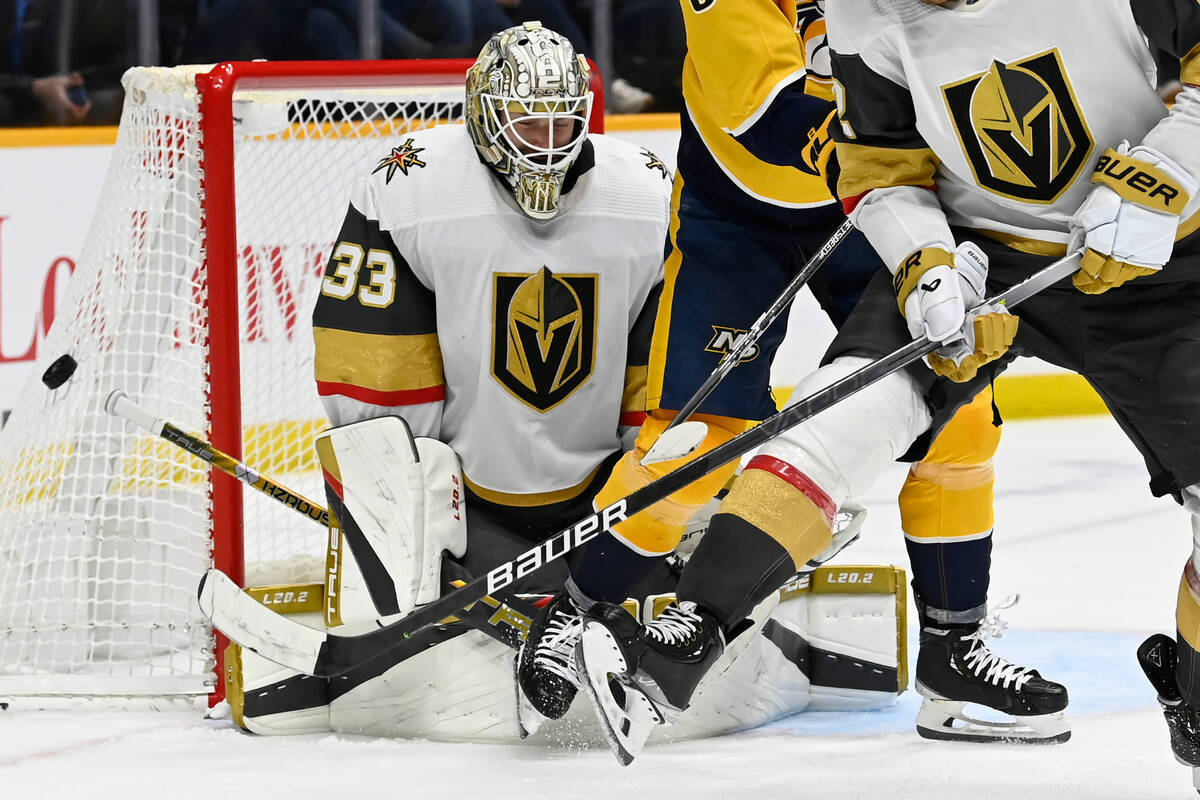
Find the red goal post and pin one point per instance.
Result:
(226, 188)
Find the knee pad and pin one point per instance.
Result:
(845, 447)
(659, 528)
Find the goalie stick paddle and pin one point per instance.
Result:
(668, 448)
(338, 654)
(238, 615)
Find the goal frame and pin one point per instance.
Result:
(218, 210)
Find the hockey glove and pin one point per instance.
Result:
(1129, 220)
(938, 294)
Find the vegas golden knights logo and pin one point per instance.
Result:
(543, 334)
(1021, 128)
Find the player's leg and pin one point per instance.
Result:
(1148, 335)
(719, 275)
(946, 513)
(777, 515)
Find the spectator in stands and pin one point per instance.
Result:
(29, 96)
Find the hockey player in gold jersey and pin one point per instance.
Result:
(1009, 124)
(750, 203)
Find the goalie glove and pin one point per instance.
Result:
(1129, 221)
(939, 294)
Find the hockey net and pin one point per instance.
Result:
(193, 295)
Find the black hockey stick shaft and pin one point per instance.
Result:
(764, 321)
(339, 654)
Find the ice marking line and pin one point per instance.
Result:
(83, 745)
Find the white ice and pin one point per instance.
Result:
(1094, 557)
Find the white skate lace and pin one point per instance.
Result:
(993, 625)
(991, 667)
(676, 624)
(554, 651)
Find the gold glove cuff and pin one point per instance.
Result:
(1140, 182)
(910, 271)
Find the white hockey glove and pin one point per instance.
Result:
(1129, 220)
(939, 294)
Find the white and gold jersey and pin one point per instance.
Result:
(521, 344)
(1003, 107)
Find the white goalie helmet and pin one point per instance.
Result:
(525, 77)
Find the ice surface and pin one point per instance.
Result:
(1095, 560)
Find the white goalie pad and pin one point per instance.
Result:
(401, 509)
(831, 641)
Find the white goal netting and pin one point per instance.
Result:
(105, 529)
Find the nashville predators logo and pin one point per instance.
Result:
(543, 334)
(814, 158)
(726, 339)
(1021, 128)
(401, 158)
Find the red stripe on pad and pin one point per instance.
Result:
(334, 484)
(400, 397)
(777, 466)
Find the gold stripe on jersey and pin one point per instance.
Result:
(949, 495)
(662, 320)
(866, 167)
(725, 91)
(1189, 67)
(378, 362)
(1024, 244)
(513, 500)
(634, 396)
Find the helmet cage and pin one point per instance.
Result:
(539, 170)
(529, 73)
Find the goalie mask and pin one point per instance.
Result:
(527, 109)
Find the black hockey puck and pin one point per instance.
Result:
(60, 371)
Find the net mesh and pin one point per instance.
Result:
(105, 529)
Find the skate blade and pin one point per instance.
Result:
(947, 720)
(625, 713)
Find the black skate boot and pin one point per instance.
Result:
(545, 667)
(1157, 655)
(639, 676)
(955, 667)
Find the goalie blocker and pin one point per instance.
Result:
(831, 641)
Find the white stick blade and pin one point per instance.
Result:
(255, 627)
(677, 442)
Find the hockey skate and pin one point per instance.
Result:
(955, 668)
(641, 676)
(1157, 656)
(546, 678)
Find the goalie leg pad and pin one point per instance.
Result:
(399, 504)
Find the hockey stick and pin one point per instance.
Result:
(666, 448)
(328, 654)
(119, 405)
(507, 609)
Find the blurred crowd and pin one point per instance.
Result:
(61, 60)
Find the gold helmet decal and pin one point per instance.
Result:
(1021, 127)
(543, 334)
